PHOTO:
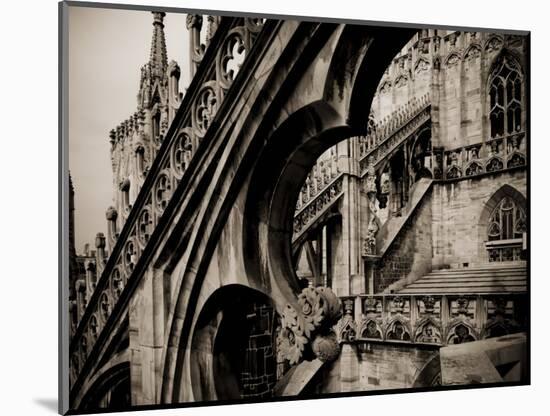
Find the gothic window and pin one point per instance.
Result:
(505, 95)
(505, 230)
(507, 221)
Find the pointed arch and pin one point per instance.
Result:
(452, 60)
(473, 52)
(398, 329)
(505, 95)
(496, 198)
(460, 331)
(370, 329)
(421, 65)
(502, 224)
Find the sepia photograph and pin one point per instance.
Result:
(264, 208)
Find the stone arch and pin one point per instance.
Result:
(234, 332)
(356, 67)
(309, 88)
(110, 389)
(487, 209)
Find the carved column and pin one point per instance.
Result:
(370, 250)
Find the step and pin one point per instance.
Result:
(483, 270)
(467, 284)
(480, 275)
(468, 278)
(464, 290)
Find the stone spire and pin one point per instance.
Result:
(158, 60)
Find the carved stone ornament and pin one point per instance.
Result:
(326, 347)
(370, 240)
(319, 310)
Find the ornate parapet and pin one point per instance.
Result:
(389, 133)
(430, 319)
(207, 90)
(494, 155)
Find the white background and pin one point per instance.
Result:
(29, 208)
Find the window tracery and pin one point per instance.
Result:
(505, 95)
(507, 221)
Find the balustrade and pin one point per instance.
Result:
(390, 132)
(499, 153)
(430, 319)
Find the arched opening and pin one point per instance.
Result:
(503, 226)
(421, 156)
(299, 179)
(232, 350)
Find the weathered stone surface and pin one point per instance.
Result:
(480, 361)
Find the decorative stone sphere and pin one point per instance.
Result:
(111, 214)
(326, 347)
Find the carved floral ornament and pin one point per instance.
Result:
(309, 328)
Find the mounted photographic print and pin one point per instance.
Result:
(263, 208)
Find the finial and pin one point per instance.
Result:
(158, 18)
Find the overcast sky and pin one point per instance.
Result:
(106, 50)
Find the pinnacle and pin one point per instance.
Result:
(158, 60)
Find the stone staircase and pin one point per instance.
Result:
(482, 279)
(394, 225)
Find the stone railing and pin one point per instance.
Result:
(430, 319)
(390, 132)
(496, 154)
(505, 250)
(319, 178)
(313, 209)
(219, 64)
